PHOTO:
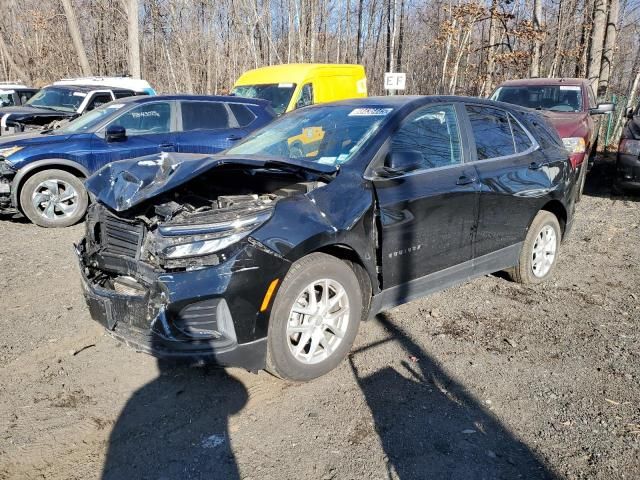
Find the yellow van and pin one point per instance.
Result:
(297, 85)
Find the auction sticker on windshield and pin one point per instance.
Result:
(370, 112)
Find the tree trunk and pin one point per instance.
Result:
(597, 43)
(537, 43)
(76, 38)
(133, 38)
(609, 45)
(24, 76)
(493, 26)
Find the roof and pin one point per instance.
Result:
(14, 86)
(184, 96)
(529, 82)
(293, 72)
(88, 88)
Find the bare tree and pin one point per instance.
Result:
(597, 42)
(76, 37)
(133, 37)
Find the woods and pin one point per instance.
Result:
(444, 46)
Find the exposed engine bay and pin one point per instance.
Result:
(192, 226)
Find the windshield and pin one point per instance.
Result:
(330, 135)
(87, 122)
(557, 98)
(279, 94)
(61, 99)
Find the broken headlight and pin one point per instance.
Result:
(195, 240)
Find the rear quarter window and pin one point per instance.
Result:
(244, 115)
(546, 135)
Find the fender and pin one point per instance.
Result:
(49, 162)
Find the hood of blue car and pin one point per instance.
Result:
(29, 139)
(127, 183)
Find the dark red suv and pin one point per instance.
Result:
(570, 105)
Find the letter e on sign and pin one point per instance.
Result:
(395, 81)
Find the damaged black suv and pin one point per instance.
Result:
(269, 256)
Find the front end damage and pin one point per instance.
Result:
(178, 273)
(7, 172)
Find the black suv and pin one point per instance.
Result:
(628, 159)
(56, 103)
(261, 258)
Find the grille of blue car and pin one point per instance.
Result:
(121, 237)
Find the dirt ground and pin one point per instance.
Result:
(488, 380)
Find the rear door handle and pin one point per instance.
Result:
(167, 145)
(234, 138)
(465, 180)
(535, 166)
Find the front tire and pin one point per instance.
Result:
(314, 319)
(53, 199)
(540, 249)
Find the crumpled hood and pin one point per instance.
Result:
(568, 124)
(127, 183)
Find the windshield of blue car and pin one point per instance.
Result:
(278, 94)
(61, 99)
(87, 122)
(556, 98)
(330, 135)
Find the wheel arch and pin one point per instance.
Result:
(558, 209)
(49, 164)
(347, 254)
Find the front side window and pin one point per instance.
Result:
(433, 132)
(146, 119)
(330, 135)
(54, 98)
(278, 94)
(306, 96)
(204, 116)
(491, 131)
(556, 98)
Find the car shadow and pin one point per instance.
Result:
(176, 427)
(600, 180)
(430, 426)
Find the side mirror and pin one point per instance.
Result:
(629, 113)
(115, 133)
(603, 108)
(400, 162)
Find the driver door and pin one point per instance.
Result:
(149, 128)
(428, 215)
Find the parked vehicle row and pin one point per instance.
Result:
(263, 257)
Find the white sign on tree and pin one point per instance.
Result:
(395, 81)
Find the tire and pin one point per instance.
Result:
(528, 270)
(292, 335)
(582, 179)
(68, 205)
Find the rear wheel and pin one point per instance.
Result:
(53, 198)
(539, 253)
(315, 318)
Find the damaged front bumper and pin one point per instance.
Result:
(206, 315)
(7, 173)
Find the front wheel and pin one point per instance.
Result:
(54, 198)
(315, 318)
(539, 253)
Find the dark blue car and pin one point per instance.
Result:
(41, 174)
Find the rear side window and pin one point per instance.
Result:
(204, 116)
(491, 131)
(244, 115)
(433, 132)
(520, 137)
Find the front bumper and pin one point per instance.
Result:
(208, 315)
(6, 178)
(627, 171)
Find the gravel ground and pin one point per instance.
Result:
(486, 380)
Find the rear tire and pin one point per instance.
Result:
(539, 254)
(314, 319)
(54, 199)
